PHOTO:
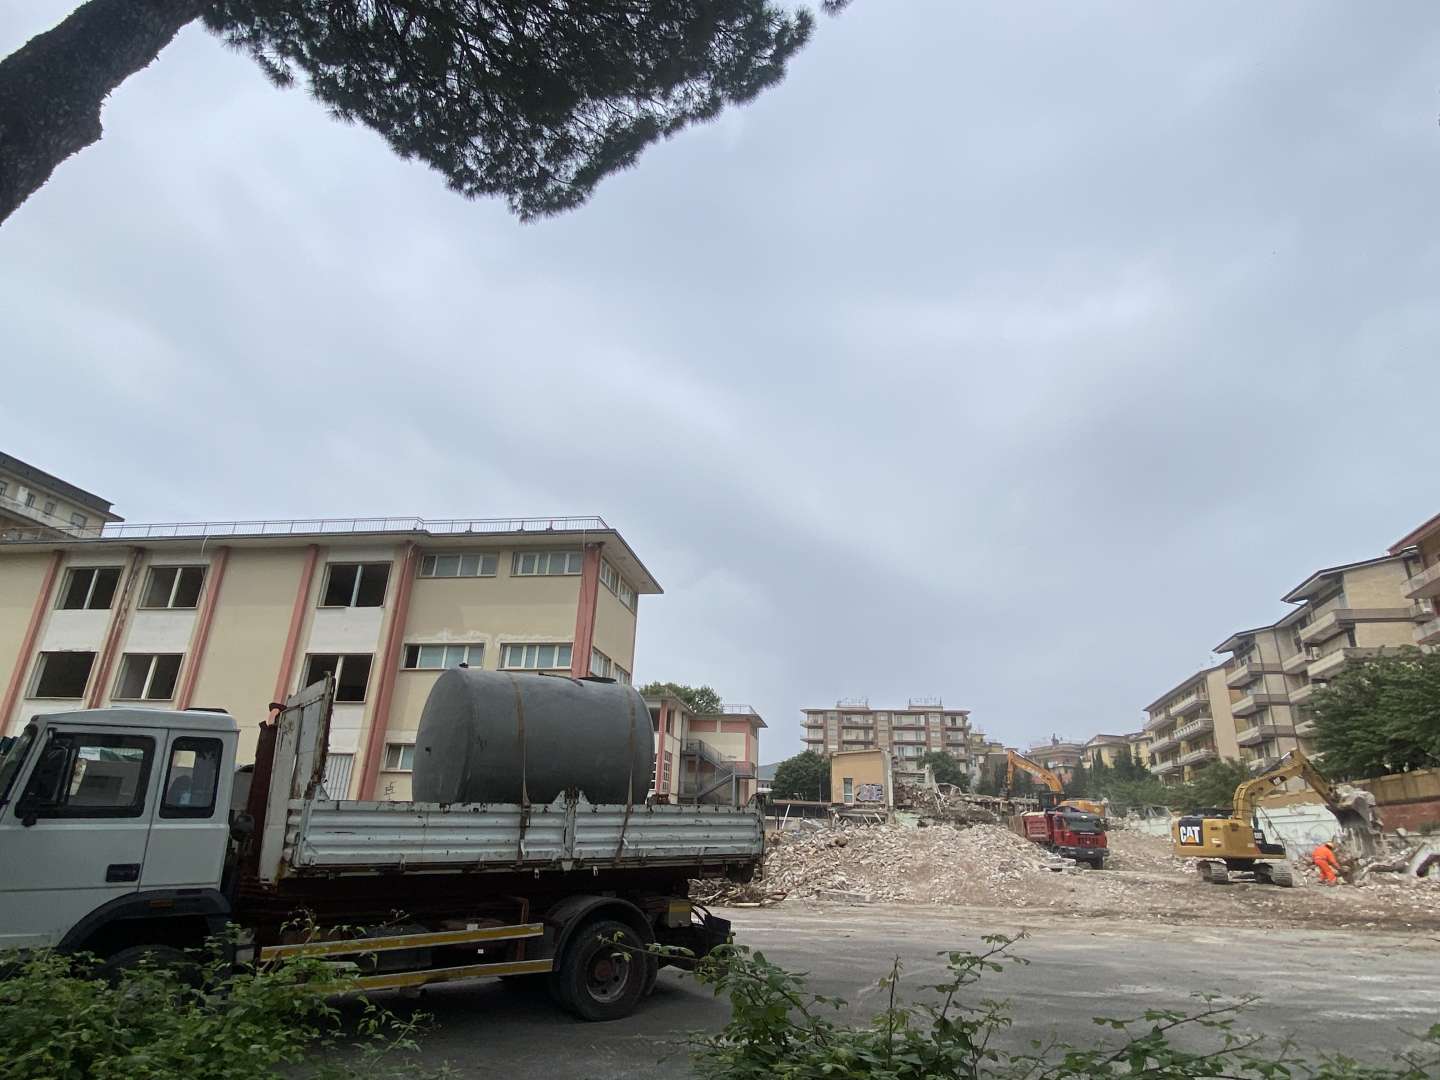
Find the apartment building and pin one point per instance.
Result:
(34, 503)
(1104, 748)
(233, 615)
(1189, 726)
(1139, 743)
(705, 757)
(1058, 755)
(1257, 674)
(1422, 587)
(909, 733)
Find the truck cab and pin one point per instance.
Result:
(111, 819)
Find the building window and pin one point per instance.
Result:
(356, 585)
(147, 677)
(399, 757)
(90, 588)
(78, 520)
(849, 788)
(173, 587)
(620, 675)
(600, 664)
(4, 489)
(439, 657)
(545, 563)
(536, 657)
(49, 508)
(30, 500)
(611, 579)
(192, 778)
(351, 671)
(62, 675)
(459, 565)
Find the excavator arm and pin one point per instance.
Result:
(1034, 768)
(1355, 823)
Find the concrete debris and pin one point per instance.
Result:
(987, 866)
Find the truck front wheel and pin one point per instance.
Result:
(602, 974)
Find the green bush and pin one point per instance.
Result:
(778, 1030)
(60, 1021)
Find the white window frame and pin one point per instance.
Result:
(340, 659)
(169, 604)
(153, 659)
(355, 588)
(49, 510)
(621, 675)
(473, 655)
(612, 580)
(78, 521)
(546, 558)
(94, 572)
(399, 757)
(506, 663)
(600, 665)
(487, 564)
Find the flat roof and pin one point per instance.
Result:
(1315, 581)
(10, 463)
(1415, 535)
(432, 534)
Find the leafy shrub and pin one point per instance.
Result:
(778, 1030)
(62, 1021)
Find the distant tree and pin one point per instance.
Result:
(804, 776)
(992, 777)
(533, 100)
(947, 768)
(1380, 715)
(1215, 784)
(1127, 767)
(699, 699)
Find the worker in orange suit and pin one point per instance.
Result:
(1326, 863)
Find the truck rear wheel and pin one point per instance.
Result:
(603, 973)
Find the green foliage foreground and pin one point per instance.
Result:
(778, 1030)
(62, 1022)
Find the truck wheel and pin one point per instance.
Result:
(603, 973)
(160, 957)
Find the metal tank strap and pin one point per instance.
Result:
(524, 780)
(630, 782)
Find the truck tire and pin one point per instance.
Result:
(163, 957)
(603, 973)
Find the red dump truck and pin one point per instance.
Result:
(1065, 831)
(128, 833)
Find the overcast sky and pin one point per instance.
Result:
(1010, 353)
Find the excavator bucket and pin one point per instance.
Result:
(1355, 810)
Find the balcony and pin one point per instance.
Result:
(1200, 756)
(1191, 702)
(1424, 584)
(1159, 720)
(1160, 768)
(1301, 694)
(1248, 672)
(1260, 764)
(1329, 665)
(1306, 727)
(1254, 702)
(1295, 663)
(1428, 633)
(1195, 727)
(813, 722)
(1259, 733)
(1165, 743)
(1334, 623)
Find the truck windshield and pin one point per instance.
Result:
(11, 758)
(1082, 823)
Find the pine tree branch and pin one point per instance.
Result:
(53, 88)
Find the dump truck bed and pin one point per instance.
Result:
(329, 838)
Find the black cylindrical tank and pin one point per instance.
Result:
(499, 736)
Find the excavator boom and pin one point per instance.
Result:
(1034, 768)
(1354, 823)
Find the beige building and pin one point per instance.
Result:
(1189, 726)
(704, 757)
(862, 779)
(1258, 687)
(1139, 743)
(1422, 588)
(235, 615)
(1104, 748)
(1058, 755)
(33, 503)
(908, 733)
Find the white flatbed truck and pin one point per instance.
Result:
(128, 833)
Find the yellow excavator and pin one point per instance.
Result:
(1233, 842)
(1051, 781)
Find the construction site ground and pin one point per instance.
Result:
(987, 867)
(1355, 991)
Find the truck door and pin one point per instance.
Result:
(189, 825)
(75, 836)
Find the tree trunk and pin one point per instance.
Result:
(51, 90)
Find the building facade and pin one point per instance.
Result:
(235, 615)
(862, 779)
(36, 504)
(705, 757)
(908, 733)
(1058, 755)
(1189, 726)
(1106, 749)
(1422, 587)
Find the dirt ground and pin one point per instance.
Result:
(988, 866)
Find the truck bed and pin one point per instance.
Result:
(330, 838)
